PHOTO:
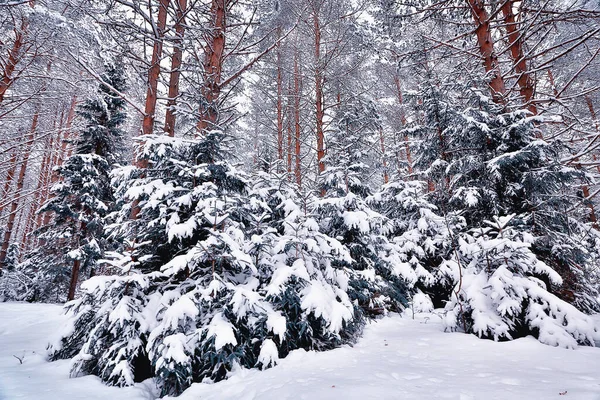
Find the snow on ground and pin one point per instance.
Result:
(25, 331)
(398, 358)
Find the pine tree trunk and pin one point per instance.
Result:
(289, 119)
(176, 61)
(14, 55)
(154, 71)
(42, 182)
(386, 178)
(590, 105)
(19, 188)
(524, 79)
(319, 108)
(62, 154)
(9, 176)
(403, 121)
(74, 278)
(46, 172)
(592, 212)
(298, 128)
(279, 102)
(485, 43)
(213, 67)
(76, 265)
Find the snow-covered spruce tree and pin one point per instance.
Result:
(491, 165)
(219, 274)
(12, 281)
(420, 239)
(13, 254)
(503, 292)
(73, 241)
(375, 284)
(300, 265)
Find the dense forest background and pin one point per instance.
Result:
(214, 183)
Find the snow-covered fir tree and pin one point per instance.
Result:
(304, 167)
(217, 273)
(73, 241)
(491, 162)
(344, 213)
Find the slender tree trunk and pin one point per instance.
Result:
(46, 173)
(10, 175)
(154, 71)
(62, 154)
(590, 105)
(279, 103)
(298, 128)
(14, 55)
(289, 119)
(524, 79)
(37, 198)
(74, 278)
(485, 44)
(17, 193)
(43, 184)
(176, 61)
(319, 108)
(592, 212)
(75, 269)
(386, 178)
(403, 121)
(213, 67)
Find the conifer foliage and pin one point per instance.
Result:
(212, 281)
(509, 274)
(73, 241)
(323, 163)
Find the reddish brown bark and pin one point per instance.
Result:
(524, 79)
(213, 67)
(289, 119)
(46, 171)
(586, 195)
(10, 175)
(176, 61)
(590, 105)
(298, 128)
(19, 188)
(485, 43)
(14, 54)
(62, 153)
(154, 71)
(319, 95)
(38, 196)
(279, 102)
(74, 278)
(152, 90)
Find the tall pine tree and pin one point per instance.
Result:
(74, 240)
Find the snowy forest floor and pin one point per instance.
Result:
(397, 358)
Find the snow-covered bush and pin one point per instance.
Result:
(419, 237)
(219, 274)
(503, 291)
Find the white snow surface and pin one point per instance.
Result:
(397, 358)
